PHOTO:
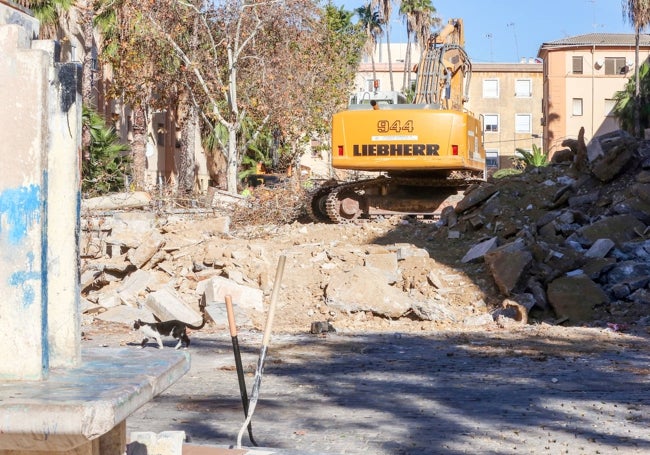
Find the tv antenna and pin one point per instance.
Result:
(489, 36)
(514, 32)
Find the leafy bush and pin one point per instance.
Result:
(536, 158)
(506, 172)
(108, 165)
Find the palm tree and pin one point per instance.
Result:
(419, 17)
(372, 24)
(385, 7)
(638, 13)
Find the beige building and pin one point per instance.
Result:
(508, 97)
(581, 76)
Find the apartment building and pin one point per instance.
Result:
(581, 77)
(508, 96)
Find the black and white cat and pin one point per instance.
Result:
(173, 328)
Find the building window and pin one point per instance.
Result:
(577, 106)
(492, 158)
(523, 88)
(577, 65)
(615, 65)
(490, 88)
(610, 104)
(523, 123)
(372, 85)
(491, 122)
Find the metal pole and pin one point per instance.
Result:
(238, 364)
(265, 344)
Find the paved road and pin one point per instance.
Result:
(532, 392)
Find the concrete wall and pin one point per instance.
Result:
(40, 116)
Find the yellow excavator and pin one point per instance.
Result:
(426, 152)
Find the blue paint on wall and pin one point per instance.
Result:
(45, 351)
(20, 209)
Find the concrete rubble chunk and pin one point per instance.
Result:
(479, 250)
(405, 250)
(609, 153)
(350, 291)
(125, 315)
(575, 298)
(217, 288)
(150, 443)
(475, 197)
(167, 305)
(117, 201)
(619, 229)
(146, 250)
(507, 266)
(600, 248)
(386, 263)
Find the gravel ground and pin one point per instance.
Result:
(534, 389)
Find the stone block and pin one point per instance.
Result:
(353, 291)
(150, 443)
(575, 297)
(217, 288)
(125, 315)
(387, 263)
(167, 305)
(600, 248)
(507, 264)
(480, 250)
(619, 229)
(146, 250)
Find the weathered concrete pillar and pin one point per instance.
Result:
(63, 208)
(24, 89)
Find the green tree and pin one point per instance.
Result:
(419, 17)
(638, 13)
(627, 110)
(108, 165)
(385, 8)
(371, 22)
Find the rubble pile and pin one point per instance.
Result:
(565, 243)
(569, 240)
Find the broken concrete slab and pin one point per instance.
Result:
(619, 229)
(387, 263)
(350, 291)
(149, 246)
(217, 288)
(480, 250)
(117, 201)
(167, 305)
(507, 265)
(125, 315)
(575, 297)
(600, 248)
(476, 196)
(609, 153)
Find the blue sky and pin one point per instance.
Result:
(508, 30)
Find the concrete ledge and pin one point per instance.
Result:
(77, 405)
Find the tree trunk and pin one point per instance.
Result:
(187, 164)
(390, 62)
(138, 147)
(231, 160)
(88, 100)
(637, 88)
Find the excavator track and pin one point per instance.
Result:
(349, 202)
